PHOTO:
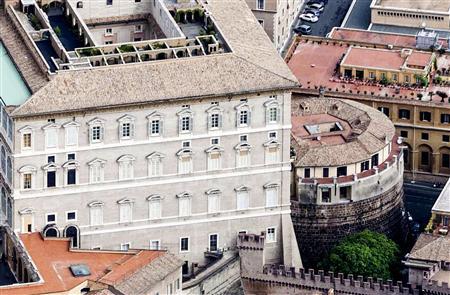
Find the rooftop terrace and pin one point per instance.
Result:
(76, 35)
(429, 5)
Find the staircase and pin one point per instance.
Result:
(13, 42)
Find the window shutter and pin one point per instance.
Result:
(238, 114)
(102, 132)
(268, 115)
(191, 123)
(132, 129)
(278, 114)
(180, 120)
(220, 120)
(249, 117)
(90, 134)
(161, 126)
(209, 123)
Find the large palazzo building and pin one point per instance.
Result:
(177, 142)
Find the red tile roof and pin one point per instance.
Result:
(53, 257)
(419, 59)
(374, 37)
(374, 58)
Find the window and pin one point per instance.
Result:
(445, 118)
(214, 158)
(155, 245)
(215, 141)
(26, 140)
(425, 136)
(185, 124)
(155, 124)
(325, 172)
(243, 138)
(307, 173)
(96, 171)
(155, 165)
(71, 133)
(184, 204)
(50, 173)
(272, 152)
(404, 114)
(185, 163)
(271, 191)
(243, 155)
(213, 242)
(342, 171)
(394, 77)
(71, 176)
(383, 76)
(446, 138)
(272, 111)
(404, 133)
(407, 79)
(71, 216)
(345, 193)
(71, 156)
(371, 75)
(50, 218)
(272, 135)
(365, 166)
(374, 160)
(96, 130)
(126, 127)
(51, 178)
(425, 116)
(138, 28)
(184, 244)
(51, 136)
(126, 167)
(125, 246)
(271, 235)
(260, 4)
(108, 31)
(109, 2)
(96, 213)
(242, 198)
(326, 194)
(186, 144)
(243, 115)
(384, 110)
(27, 181)
(125, 210)
(213, 200)
(154, 207)
(214, 117)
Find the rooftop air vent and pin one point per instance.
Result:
(80, 270)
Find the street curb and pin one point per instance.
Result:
(344, 22)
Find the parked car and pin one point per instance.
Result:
(324, 2)
(312, 11)
(303, 29)
(309, 17)
(318, 6)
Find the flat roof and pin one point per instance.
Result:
(53, 257)
(442, 204)
(426, 5)
(381, 38)
(373, 58)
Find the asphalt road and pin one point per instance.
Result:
(359, 17)
(332, 16)
(419, 199)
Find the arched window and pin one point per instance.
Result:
(72, 232)
(80, 4)
(3, 159)
(51, 231)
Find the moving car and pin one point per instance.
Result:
(318, 6)
(309, 17)
(303, 29)
(324, 2)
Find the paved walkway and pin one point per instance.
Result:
(23, 59)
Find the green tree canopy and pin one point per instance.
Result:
(366, 253)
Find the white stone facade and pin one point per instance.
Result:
(119, 197)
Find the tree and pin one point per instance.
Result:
(442, 95)
(366, 253)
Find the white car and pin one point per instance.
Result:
(309, 17)
(318, 6)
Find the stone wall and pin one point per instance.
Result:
(319, 227)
